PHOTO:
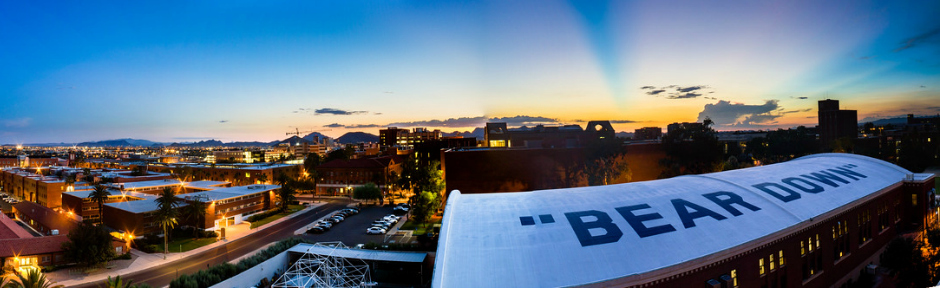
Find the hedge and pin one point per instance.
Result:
(218, 273)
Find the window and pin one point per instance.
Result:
(761, 263)
(781, 258)
(913, 199)
(772, 262)
(802, 248)
(810, 244)
(734, 278)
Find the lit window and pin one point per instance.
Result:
(817, 241)
(761, 263)
(772, 262)
(781, 259)
(734, 278)
(810, 244)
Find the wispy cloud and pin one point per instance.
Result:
(676, 91)
(917, 40)
(17, 123)
(223, 121)
(624, 121)
(334, 111)
(334, 125)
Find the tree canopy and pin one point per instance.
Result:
(369, 191)
(88, 245)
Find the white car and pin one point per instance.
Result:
(375, 230)
(391, 220)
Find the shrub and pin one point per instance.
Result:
(125, 256)
(218, 273)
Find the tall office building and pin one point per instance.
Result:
(835, 123)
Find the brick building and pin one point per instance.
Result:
(339, 177)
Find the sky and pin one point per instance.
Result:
(178, 71)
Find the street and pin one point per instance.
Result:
(162, 275)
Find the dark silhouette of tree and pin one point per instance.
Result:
(286, 194)
(167, 202)
(195, 212)
(89, 245)
(100, 195)
(691, 150)
(369, 191)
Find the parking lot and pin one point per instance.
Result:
(352, 231)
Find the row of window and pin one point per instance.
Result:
(239, 207)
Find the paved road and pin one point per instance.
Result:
(162, 275)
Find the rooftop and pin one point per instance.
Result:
(374, 255)
(147, 184)
(612, 235)
(232, 192)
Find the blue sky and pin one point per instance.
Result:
(180, 71)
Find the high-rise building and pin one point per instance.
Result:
(835, 123)
(648, 133)
(396, 137)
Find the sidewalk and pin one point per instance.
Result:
(145, 261)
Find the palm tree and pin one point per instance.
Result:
(33, 279)
(117, 282)
(166, 214)
(287, 195)
(100, 195)
(196, 211)
(69, 181)
(263, 178)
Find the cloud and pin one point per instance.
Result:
(360, 126)
(866, 57)
(797, 111)
(223, 121)
(333, 111)
(17, 123)
(623, 121)
(683, 95)
(677, 92)
(917, 40)
(334, 125)
(725, 113)
(922, 86)
(690, 88)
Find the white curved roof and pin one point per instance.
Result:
(530, 239)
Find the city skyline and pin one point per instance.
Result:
(177, 72)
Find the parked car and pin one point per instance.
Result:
(316, 230)
(391, 220)
(382, 225)
(325, 223)
(333, 220)
(351, 211)
(375, 230)
(340, 218)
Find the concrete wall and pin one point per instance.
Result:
(252, 276)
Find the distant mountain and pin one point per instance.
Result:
(357, 137)
(311, 136)
(126, 142)
(217, 143)
(63, 144)
(883, 121)
(478, 133)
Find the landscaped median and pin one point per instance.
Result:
(218, 273)
(267, 217)
(420, 229)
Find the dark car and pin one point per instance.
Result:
(316, 230)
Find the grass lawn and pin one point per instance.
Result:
(290, 210)
(422, 228)
(188, 243)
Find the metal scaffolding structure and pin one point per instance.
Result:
(325, 270)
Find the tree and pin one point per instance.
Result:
(100, 195)
(69, 181)
(286, 194)
(166, 215)
(904, 256)
(691, 150)
(89, 245)
(117, 282)
(311, 162)
(263, 178)
(605, 162)
(195, 212)
(420, 178)
(369, 191)
(424, 205)
(33, 279)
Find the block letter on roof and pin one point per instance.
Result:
(582, 229)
